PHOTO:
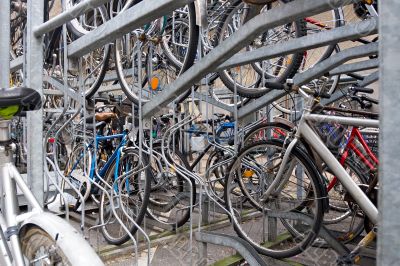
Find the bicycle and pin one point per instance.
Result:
(34, 236)
(86, 170)
(289, 183)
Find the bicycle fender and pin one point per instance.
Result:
(76, 249)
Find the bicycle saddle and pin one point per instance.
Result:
(28, 99)
(19, 99)
(105, 116)
(219, 115)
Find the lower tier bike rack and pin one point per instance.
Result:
(324, 233)
(240, 245)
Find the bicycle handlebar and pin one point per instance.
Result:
(362, 89)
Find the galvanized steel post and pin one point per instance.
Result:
(34, 79)
(5, 43)
(389, 140)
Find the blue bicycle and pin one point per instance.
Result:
(117, 164)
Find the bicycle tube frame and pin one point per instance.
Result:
(307, 133)
(104, 169)
(355, 133)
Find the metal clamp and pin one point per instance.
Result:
(12, 230)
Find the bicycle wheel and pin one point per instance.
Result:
(215, 175)
(265, 224)
(95, 63)
(36, 243)
(169, 202)
(265, 131)
(38, 246)
(130, 196)
(168, 46)
(77, 171)
(322, 22)
(248, 78)
(345, 219)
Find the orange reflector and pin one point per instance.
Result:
(248, 173)
(154, 83)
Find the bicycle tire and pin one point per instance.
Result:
(338, 22)
(188, 62)
(155, 204)
(256, 92)
(78, 176)
(218, 184)
(342, 235)
(79, 31)
(136, 196)
(315, 190)
(264, 126)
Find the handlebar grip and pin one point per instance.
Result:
(368, 99)
(274, 85)
(362, 89)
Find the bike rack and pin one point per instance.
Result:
(241, 246)
(222, 57)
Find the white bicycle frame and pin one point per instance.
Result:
(305, 132)
(9, 217)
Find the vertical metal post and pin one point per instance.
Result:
(4, 83)
(5, 43)
(389, 141)
(203, 246)
(34, 79)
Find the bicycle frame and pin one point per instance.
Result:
(306, 133)
(116, 154)
(9, 217)
(310, 136)
(356, 134)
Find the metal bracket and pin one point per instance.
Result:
(12, 230)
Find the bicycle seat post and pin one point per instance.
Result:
(5, 130)
(5, 137)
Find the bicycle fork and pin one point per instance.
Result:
(282, 176)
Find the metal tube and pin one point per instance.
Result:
(355, 67)
(16, 64)
(389, 148)
(351, 121)
(67, 16)
(5, 43)
(142, 13)
(349, 32)
(10, 211)
(355, 191)
(260, 102)
(333, 61)
(24, 188)
(245, 35)
(34, 79)
(368, 80)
